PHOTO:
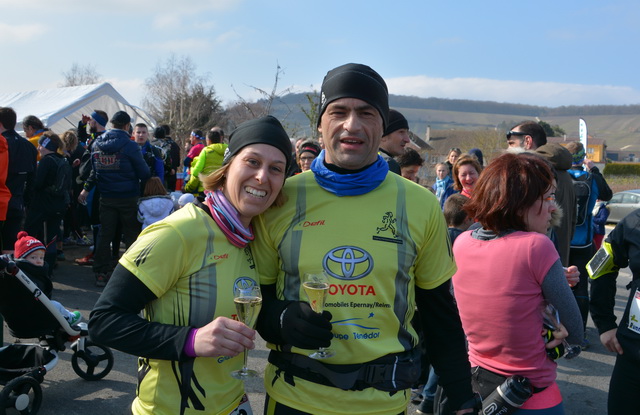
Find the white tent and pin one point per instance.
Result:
(60, 109)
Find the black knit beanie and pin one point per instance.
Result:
(396, 122)
(265, 130)
(354, 80)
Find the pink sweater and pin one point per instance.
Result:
(499, 295)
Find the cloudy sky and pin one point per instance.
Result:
(549, 53)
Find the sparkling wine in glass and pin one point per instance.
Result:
(248, 301)
(316, 286)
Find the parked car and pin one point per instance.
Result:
(623, 203)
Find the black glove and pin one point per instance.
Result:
(302, 327)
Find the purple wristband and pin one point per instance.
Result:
(189, 348)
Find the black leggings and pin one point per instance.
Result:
(624, 387)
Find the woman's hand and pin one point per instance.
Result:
(572, 274)
(223, 337)
(558, 335)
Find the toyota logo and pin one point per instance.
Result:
(244, 283)
(348, 263)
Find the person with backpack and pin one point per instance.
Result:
(165, 144)
(51, 195)
(588, 185)
(171, 178)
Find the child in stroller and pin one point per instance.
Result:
(29, 257)
(29, 314)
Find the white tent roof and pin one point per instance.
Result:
(60, 109)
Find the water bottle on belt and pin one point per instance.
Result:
(508, 396)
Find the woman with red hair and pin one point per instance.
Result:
(508, 269)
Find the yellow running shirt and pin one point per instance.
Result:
(376, 248)
(187, 262)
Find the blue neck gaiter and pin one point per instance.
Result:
(352, 184)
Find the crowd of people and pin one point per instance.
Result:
(410, 315)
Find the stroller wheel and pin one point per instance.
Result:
(93, 362)
(22, 394)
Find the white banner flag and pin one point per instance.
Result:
(583, 133)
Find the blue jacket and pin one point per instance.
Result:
(447, 191)
(583, 235)
(152, 155)
(600, 218)
(118, 167)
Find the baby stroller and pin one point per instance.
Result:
(29, 314)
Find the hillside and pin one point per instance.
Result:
(618, 125)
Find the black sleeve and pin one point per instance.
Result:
(604, 191)
(603, 301)
(268, 324)
(175, 155)
(603, 289)
(115, 321)
(84, 170)
(83, 135)
(445, 342)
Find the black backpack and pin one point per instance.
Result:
(62, 184)
(165, 151)
(582, 189)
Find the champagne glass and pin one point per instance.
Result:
(316, 286)
(551, 321)
(248, 301)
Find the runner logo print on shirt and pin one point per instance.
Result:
(388, 227)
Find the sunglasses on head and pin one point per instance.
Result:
(516, 133)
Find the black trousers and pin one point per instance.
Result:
(624, 387)
(579, 257)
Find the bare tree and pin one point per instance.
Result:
(177, 96)
(244, 109)
(81, 75)
(490, 142)
(312, 112)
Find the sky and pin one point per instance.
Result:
(549, 53)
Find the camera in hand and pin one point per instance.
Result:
(508, 396)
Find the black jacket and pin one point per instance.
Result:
(22, 167)
(625, 245)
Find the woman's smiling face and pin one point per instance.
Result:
(468, 176)
(254, 179)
